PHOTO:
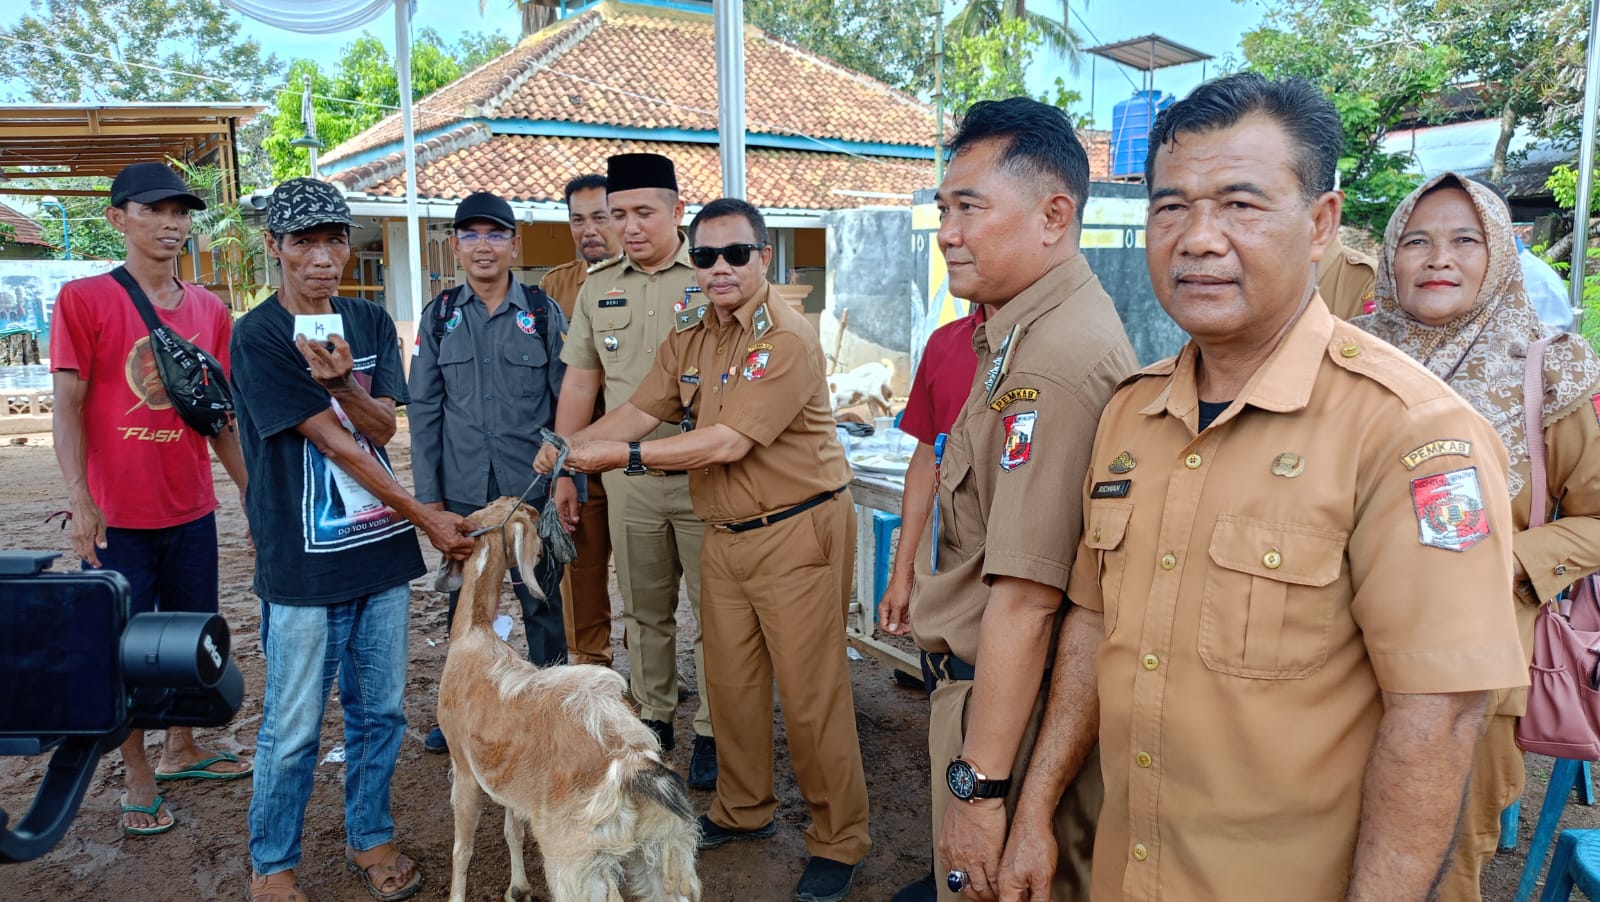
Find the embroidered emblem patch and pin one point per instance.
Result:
(1115, 489)
(610, 341)
(1288, 465)
(525, 322)
(1019, 440)
(1449, 507)
(755, 366)
(760, 346)
(1122, 463)
(1016, 394)
(1433, 449)
(454, 320)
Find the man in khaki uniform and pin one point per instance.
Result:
(586, 584)
(769, 478)
(994, 561)
(1346, 279)
(624, 311)
(1292, 533)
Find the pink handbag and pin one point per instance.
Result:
(1563, 716)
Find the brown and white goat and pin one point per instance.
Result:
(559, 748)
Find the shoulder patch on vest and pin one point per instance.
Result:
(762, 321)
(688, 319)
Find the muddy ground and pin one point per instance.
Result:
(206, 856)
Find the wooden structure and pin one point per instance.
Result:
(44, 141)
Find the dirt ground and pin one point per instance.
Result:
(206, 856)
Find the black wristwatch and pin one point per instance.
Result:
(968, 785)
(635, 461)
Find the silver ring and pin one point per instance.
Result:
(957, 880)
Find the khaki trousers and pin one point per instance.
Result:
(1496, 781)
(1075, 815)
(775, 600)
(586, 585)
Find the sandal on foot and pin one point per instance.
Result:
(154, 810)
(201, 770)
(386, 861)
(279, 887)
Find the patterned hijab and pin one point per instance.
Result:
(1482, 353)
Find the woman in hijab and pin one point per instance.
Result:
(1450, 295)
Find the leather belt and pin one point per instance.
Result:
(782, 515)
(668, 472)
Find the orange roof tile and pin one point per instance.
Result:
(27, 231)
(532, 168)
(649, 68)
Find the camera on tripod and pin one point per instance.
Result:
(78, 674)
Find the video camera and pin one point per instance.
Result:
(77, 674)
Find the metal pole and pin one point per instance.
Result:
(729, 26)
(311, 124)
(402, 45)
(1580, 217)
(938, 92)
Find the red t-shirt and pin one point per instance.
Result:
(147, 470)
(944, 377)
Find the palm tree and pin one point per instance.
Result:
(535, 16)
(978, 16)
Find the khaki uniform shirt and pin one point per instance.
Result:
(1339, 530)
(621, 317)
(563, 282)
(1346, 280)
(761, 374)
(1015, 458)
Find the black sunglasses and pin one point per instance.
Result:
(735, 254)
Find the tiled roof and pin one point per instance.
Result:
(634, 67)
(533, 168)
(27, 231)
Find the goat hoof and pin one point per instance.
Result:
(519, 893)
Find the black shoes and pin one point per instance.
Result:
(924, 890)
(663, 731)
(713, 834)
(703, 764)
(825, 880)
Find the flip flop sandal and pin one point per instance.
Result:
(388, 857)
(279, 887)
(200, 770)
(154, 810)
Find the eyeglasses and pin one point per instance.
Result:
(735, 254)
(498, 239)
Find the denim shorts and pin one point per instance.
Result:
(170, 569)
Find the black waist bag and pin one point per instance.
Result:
(193, 379)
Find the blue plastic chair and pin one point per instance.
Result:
(1576, 865)
(1564, 779)
(1508, 817)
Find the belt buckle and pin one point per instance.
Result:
(655, 472)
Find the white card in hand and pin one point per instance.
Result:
(317, 327)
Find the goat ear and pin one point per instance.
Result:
(526, 546)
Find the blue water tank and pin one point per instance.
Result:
(1130, 131)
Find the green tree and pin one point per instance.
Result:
(994, 65)
(93, 238)
(363, 89)
(1377, 69)
(982, 17)
(80, 51)
(889, 40)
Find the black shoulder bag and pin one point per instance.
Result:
(193, 379)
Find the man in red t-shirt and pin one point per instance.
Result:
(944, 377)
(138, 479)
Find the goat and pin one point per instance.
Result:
(869, 383)
(559, 748)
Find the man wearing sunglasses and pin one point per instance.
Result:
(624, 311)
(485, 371)
(769, 479)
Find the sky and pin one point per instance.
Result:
(1210, 26)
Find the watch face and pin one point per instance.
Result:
(962, 780)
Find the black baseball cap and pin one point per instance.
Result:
(148, 183)
(486, 206)
(302, 204)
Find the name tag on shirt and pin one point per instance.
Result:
(613, 302)
(1117, 488)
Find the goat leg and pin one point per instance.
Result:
(466, 802)
(520, 889)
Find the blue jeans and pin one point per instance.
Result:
(364, 641)
(169, 569)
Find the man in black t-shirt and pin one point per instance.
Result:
(335, 548)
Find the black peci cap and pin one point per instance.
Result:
(485, 206)
(627, 171)
(148, 183)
